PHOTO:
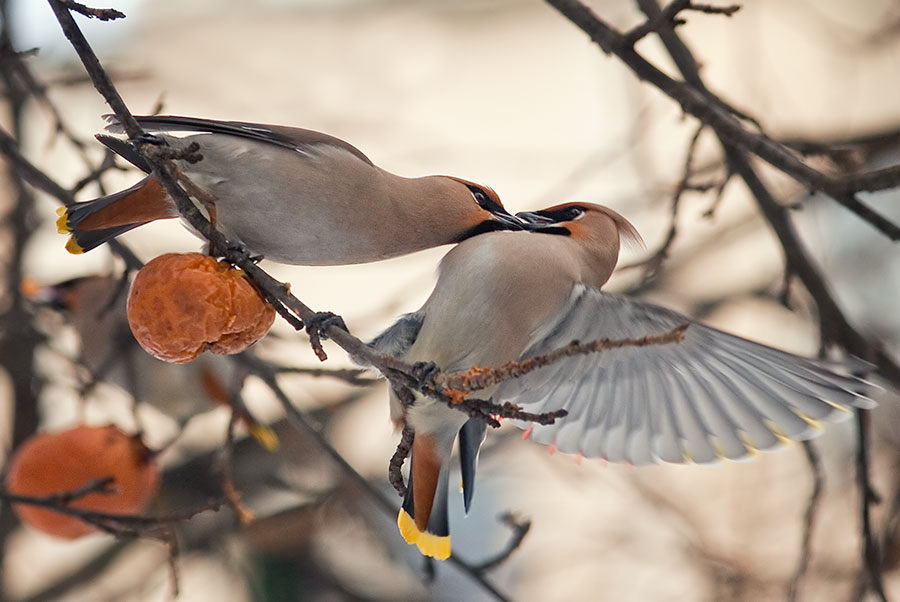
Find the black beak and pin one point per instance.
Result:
(534, 218)
(538, 221)
(509, 221)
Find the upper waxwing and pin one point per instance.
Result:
(512, 295)
(95, 306)
(291, 195)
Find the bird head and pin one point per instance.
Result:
(487, 211)
(597, 230)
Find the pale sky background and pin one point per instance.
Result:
(509, 93)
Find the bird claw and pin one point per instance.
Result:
(146, 138)
(316, 327)
(425, 373)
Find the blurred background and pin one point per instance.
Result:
(508, 93)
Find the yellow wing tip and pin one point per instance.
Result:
(266, 437)
(752, 449)
(436, 546)
(73, 247)
(62, 222)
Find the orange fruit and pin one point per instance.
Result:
(183, 304)
(50, 463)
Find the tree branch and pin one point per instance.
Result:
(715, 113)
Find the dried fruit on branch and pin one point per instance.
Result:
(180, 305)
(56, 463)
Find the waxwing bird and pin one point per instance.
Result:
(512, 295)
(291, 195)
(95, 306)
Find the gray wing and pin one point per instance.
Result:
(279, 135)
(398, 338)
(711, 396)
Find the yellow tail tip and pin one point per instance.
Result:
(408, 529)
(429, 544)
(62, 222)
(73, 247)
(436, 546)
(266, 437)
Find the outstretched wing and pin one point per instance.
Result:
(710, 396)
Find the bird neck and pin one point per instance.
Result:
(438, 209)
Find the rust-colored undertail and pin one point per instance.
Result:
(92, 223)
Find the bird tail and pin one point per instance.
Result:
(92, 223)
(423, 517)
(471, 436)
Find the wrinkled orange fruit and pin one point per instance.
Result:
(183, 304)
(50, 463)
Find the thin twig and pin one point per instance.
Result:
(520, 528)
(232, 494)
(395, 466)
(482, 378)
(103, 14)
(815, 468)
(652, 264)
(668, 18)
(302, 423)
(867, 496)
(352, 376)
(109, 522)
(714, 112)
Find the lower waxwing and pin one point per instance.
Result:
(95, 306)
(291, 195)
(512, 295)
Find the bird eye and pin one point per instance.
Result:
(480, 197)
(575, 213)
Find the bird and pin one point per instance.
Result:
(508, 296)
(291, 195)
(95, 306)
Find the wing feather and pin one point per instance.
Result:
(712, 395)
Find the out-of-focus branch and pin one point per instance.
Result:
(37, 178)
(815, 495)
(715, 113)
(112, 523)
(103, 14)
(520, 528)
(871, 573)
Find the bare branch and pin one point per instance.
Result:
(404, 447)
(103, 14)
(668, 18)
(871, 570)
(815, 468)
(112, 523)
(477, 378)
(696, 100)
(520, 528)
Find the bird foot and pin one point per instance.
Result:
(316, 327)
(425, 373)
(146, 138)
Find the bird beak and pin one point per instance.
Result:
(509, 221)
(534, 218)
